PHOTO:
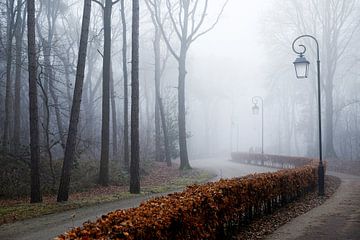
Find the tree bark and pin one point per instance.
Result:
(17, 103)
(184, 159)
(126, 97)
(331, 31)
(63, 193)
(158, 155)
(113, 116)
(165, 132)
(329, 122)
(88, 97)
(56, 104)
(33, 110)
(105, 138)
(8, 86)
(135, 146)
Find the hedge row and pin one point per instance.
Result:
(205, 211)
(269, 160)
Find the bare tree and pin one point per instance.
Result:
(159, 109)
(135, 146)
(19, 34)
(188, 28)
(113, 115)
(33, 106)
(126, 97)
(334, 23)
(63, 192)
(10, 15)
(105, 132)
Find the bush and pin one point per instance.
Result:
(15, 176)
(277, 161)
(202, 211)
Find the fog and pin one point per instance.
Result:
(228, 68)
(199, 70)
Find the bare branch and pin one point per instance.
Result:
(192, 13)
(195, 29)
(100, 4)
(193, 35)
(155, 11)
(168, 5)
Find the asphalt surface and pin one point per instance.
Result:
(337, 219)
(50, 226)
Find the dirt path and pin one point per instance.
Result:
(47, 227)
(337, 219)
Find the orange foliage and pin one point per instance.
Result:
(201, 211)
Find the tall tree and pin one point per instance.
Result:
(10, 15)
(113, 115)
(126, 97)
(182, 16)
(19, 34)
(33, 106)
(70, 148)
(159, 110)
(135, 145)
(105, 124)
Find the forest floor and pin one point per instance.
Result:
(158, 178)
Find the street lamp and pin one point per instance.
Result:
(255, 110)
(301, 66)
(301, 69)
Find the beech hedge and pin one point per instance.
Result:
(207, 211)
(269, 160)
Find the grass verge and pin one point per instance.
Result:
(21, 209)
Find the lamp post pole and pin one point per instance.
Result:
(321, 172)
(255, 101)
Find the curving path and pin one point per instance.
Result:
(337, 219)
(49, 226)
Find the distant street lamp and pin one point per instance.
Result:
(255, 110)
(302, 69)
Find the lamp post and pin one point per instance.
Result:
(255, 110)
(302, 69)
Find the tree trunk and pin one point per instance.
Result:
(104, 159)
(88, 99)
(184, 160)
(67, 64)
(135, 146)
(329, 139)
(165, 132)
(330, 43)
(9, 39)
(63, 192)
(148, 127)
(17, 103)
(113, 115)
(158, 155)
(126, 101)
(56, 103)
(34, 127)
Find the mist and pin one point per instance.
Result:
(97, 94)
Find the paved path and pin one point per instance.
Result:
(49, 226)
(337, 219)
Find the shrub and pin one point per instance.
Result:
(202, 211)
